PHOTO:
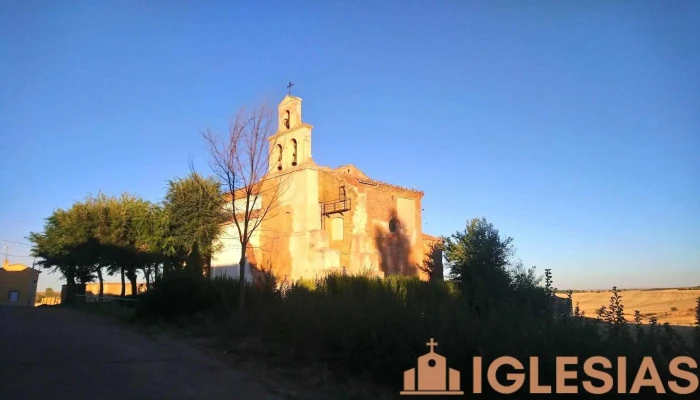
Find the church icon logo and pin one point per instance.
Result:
(431, 376)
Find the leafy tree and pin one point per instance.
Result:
(63, 246)
(479, 260)
(127, 254)
(194, 208)
(152, 235)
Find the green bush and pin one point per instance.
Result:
(376, 328)
(180, 294)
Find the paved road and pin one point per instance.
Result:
(54, 353)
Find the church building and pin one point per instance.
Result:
(328, 219)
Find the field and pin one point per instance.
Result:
(675, 306)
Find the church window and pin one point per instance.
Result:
(294, 152)
(341, 193)
(279, 156)
(286, 119)
(337, 228)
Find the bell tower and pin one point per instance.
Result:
(291, 145)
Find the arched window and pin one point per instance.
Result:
(286, 119)
(279, 157)
(294, 152)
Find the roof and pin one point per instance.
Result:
(6, 266)
(352, 170)
(361, 177)
(288, 98)
(431, 238)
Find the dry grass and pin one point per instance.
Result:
(677, 307)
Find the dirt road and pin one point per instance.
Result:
(54, 353)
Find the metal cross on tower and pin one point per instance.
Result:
(289, 88)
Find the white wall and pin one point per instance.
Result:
(226, 261)
(240, 204)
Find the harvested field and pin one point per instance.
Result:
(675, 306)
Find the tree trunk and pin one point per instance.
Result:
(206, 266)
(131, 274)
(102, 282)
(241, 277)
(147, 275)
(123, 293)
(69, 296)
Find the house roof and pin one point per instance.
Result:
(6, 266)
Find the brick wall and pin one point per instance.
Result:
(374, 205)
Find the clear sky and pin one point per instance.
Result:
(573, 126)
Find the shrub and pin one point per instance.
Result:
(378, 327)
(674, 309)
(183, 293)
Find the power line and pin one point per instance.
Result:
(11, 241)
(15, 255)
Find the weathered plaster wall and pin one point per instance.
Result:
(294, 244)
(432, 252)
(398, 250)
(366, 241)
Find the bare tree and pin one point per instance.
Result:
(240, 161)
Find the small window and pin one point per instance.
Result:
(294, 152)
(394, 225)
(279, 157)
(287, 118)
(341, 193)
(13, 296)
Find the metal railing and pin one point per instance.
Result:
(93, 299)
(330, 207)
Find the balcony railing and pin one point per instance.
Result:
(335, 206)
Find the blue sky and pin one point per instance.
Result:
(573, 126)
